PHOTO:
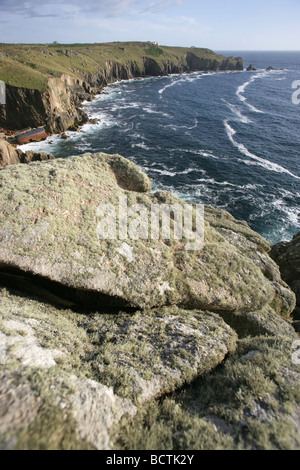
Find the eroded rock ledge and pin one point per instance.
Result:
(91, 380)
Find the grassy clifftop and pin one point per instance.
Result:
(31, 65)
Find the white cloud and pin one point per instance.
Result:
(59, 8)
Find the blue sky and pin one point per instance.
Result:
(216, 24)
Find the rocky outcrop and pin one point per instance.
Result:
(287, 256)
(83, 373)
(62, 100)
(251, 68)
(78, 198)
(239, 406)
(94, 330)
(270, 69)
(9, 155)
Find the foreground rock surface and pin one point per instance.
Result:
(237, 407)
(105, 330)
(83, 373)
(49, 222)
(79, 381)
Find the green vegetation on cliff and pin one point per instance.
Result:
(31, 65)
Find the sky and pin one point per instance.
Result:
(215, 24)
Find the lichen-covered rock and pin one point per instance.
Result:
(49, 221)
(251, 403)
(151, 353)
(67, 379)
(260, 322)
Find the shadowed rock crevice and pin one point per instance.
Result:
(53, 293)
(60, 296)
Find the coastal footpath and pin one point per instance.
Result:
(113, 343)
(46, 83)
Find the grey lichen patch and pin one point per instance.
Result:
(52, 334)
(18, 403)
(224, 285)
(97, 409)
(54, 426)
(153, 352)
(249, 403)
(25, 347)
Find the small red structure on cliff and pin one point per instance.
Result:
(32, 135)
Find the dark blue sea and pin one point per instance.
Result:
(228, 139)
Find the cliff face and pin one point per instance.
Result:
(198, 63)
(24, 108)
(56, 107)
(56, 103)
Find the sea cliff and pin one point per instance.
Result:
(45, 84)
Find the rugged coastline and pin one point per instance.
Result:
(62, 76)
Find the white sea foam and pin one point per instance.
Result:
(252, 186)
(220, 183)
(238, 113)
(174, 82)
(291, 214)
(151, 110)
(202, 153)
(242, 88)
(257, 160)
(175, 127)
(174, 172)
(141, 145)
(192, 77)
(261, 74)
